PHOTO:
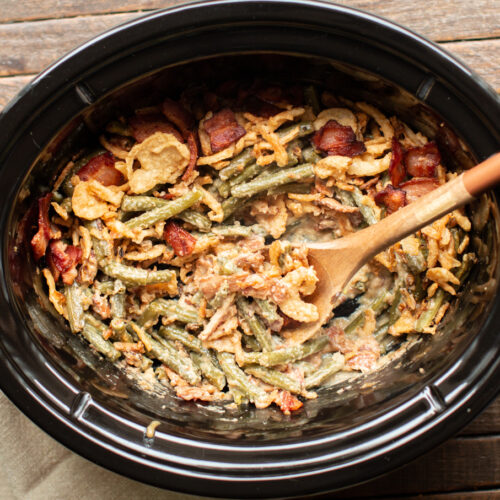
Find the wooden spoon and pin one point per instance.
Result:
(337, 261)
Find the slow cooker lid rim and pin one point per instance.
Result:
(104, 44)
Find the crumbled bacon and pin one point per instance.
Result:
(417, 187)
(336, 139)
(147, 124)
(223, 130)
(176, 114)
(62, 260)
(274, 93)
(180, 240)
(392, 199)
(102, 169)
(258, 107)
(422, 161)
(397, 169)
(41, 239)
(193, 156)
(287, 402)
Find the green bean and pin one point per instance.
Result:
(161, 307)
(117, 303)
(260, 331)
(267, 180)
(268, 311)
(173, 332)
(310, 156)
(345, 197)
(366, 211)
(67, 205)
(102, 328)
(74, 307)
(67, 186)
(222, 187)
(293, 187)
(134, 276)
(210, 369)
(202, 222)
(305, 128)
(109, 287)
(287, 354)
(94, 337)
(311, 98)
(251, 342)
(238, 379)
(394, 312)
(249, 173)
(433, 306)
(468, 261)
(332, 363)
(141, 203)
(119, 327)
(237, 164)
(232, 204)
(274, 378)
(169, 209)
(102, 249)
(238, 230)
(169, 355)
(376, 305)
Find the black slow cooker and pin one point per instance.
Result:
(349, 434)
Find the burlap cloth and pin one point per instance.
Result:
(36, 467)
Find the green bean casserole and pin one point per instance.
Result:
(175, 246)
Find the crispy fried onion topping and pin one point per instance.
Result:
(162, 158)
(301, 281)
(92, 200)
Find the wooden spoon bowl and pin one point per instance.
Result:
(337, 261)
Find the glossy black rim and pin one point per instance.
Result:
(416, 423)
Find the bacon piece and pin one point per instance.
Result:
(397, 169)
(223, 130)
(392, 199)
(258, 107)
(41, 239)
(287, 402)
(193, 156)
(176, 114)
(417, 187)
(180, 240)
(145, 125)
(422, 161)
(62, 260)
(102, 169)
(336, 139)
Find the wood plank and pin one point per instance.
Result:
(461, 464)
(481, 56)
(10, 86)
(488, 422)
(30, 47)
(445, 20)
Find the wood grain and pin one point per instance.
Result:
(444, 20)
(30, 47)
(488, 422)
(460, 464)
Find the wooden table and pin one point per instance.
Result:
(34, 33)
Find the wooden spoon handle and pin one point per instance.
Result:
(483, 176)
(429, 207)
